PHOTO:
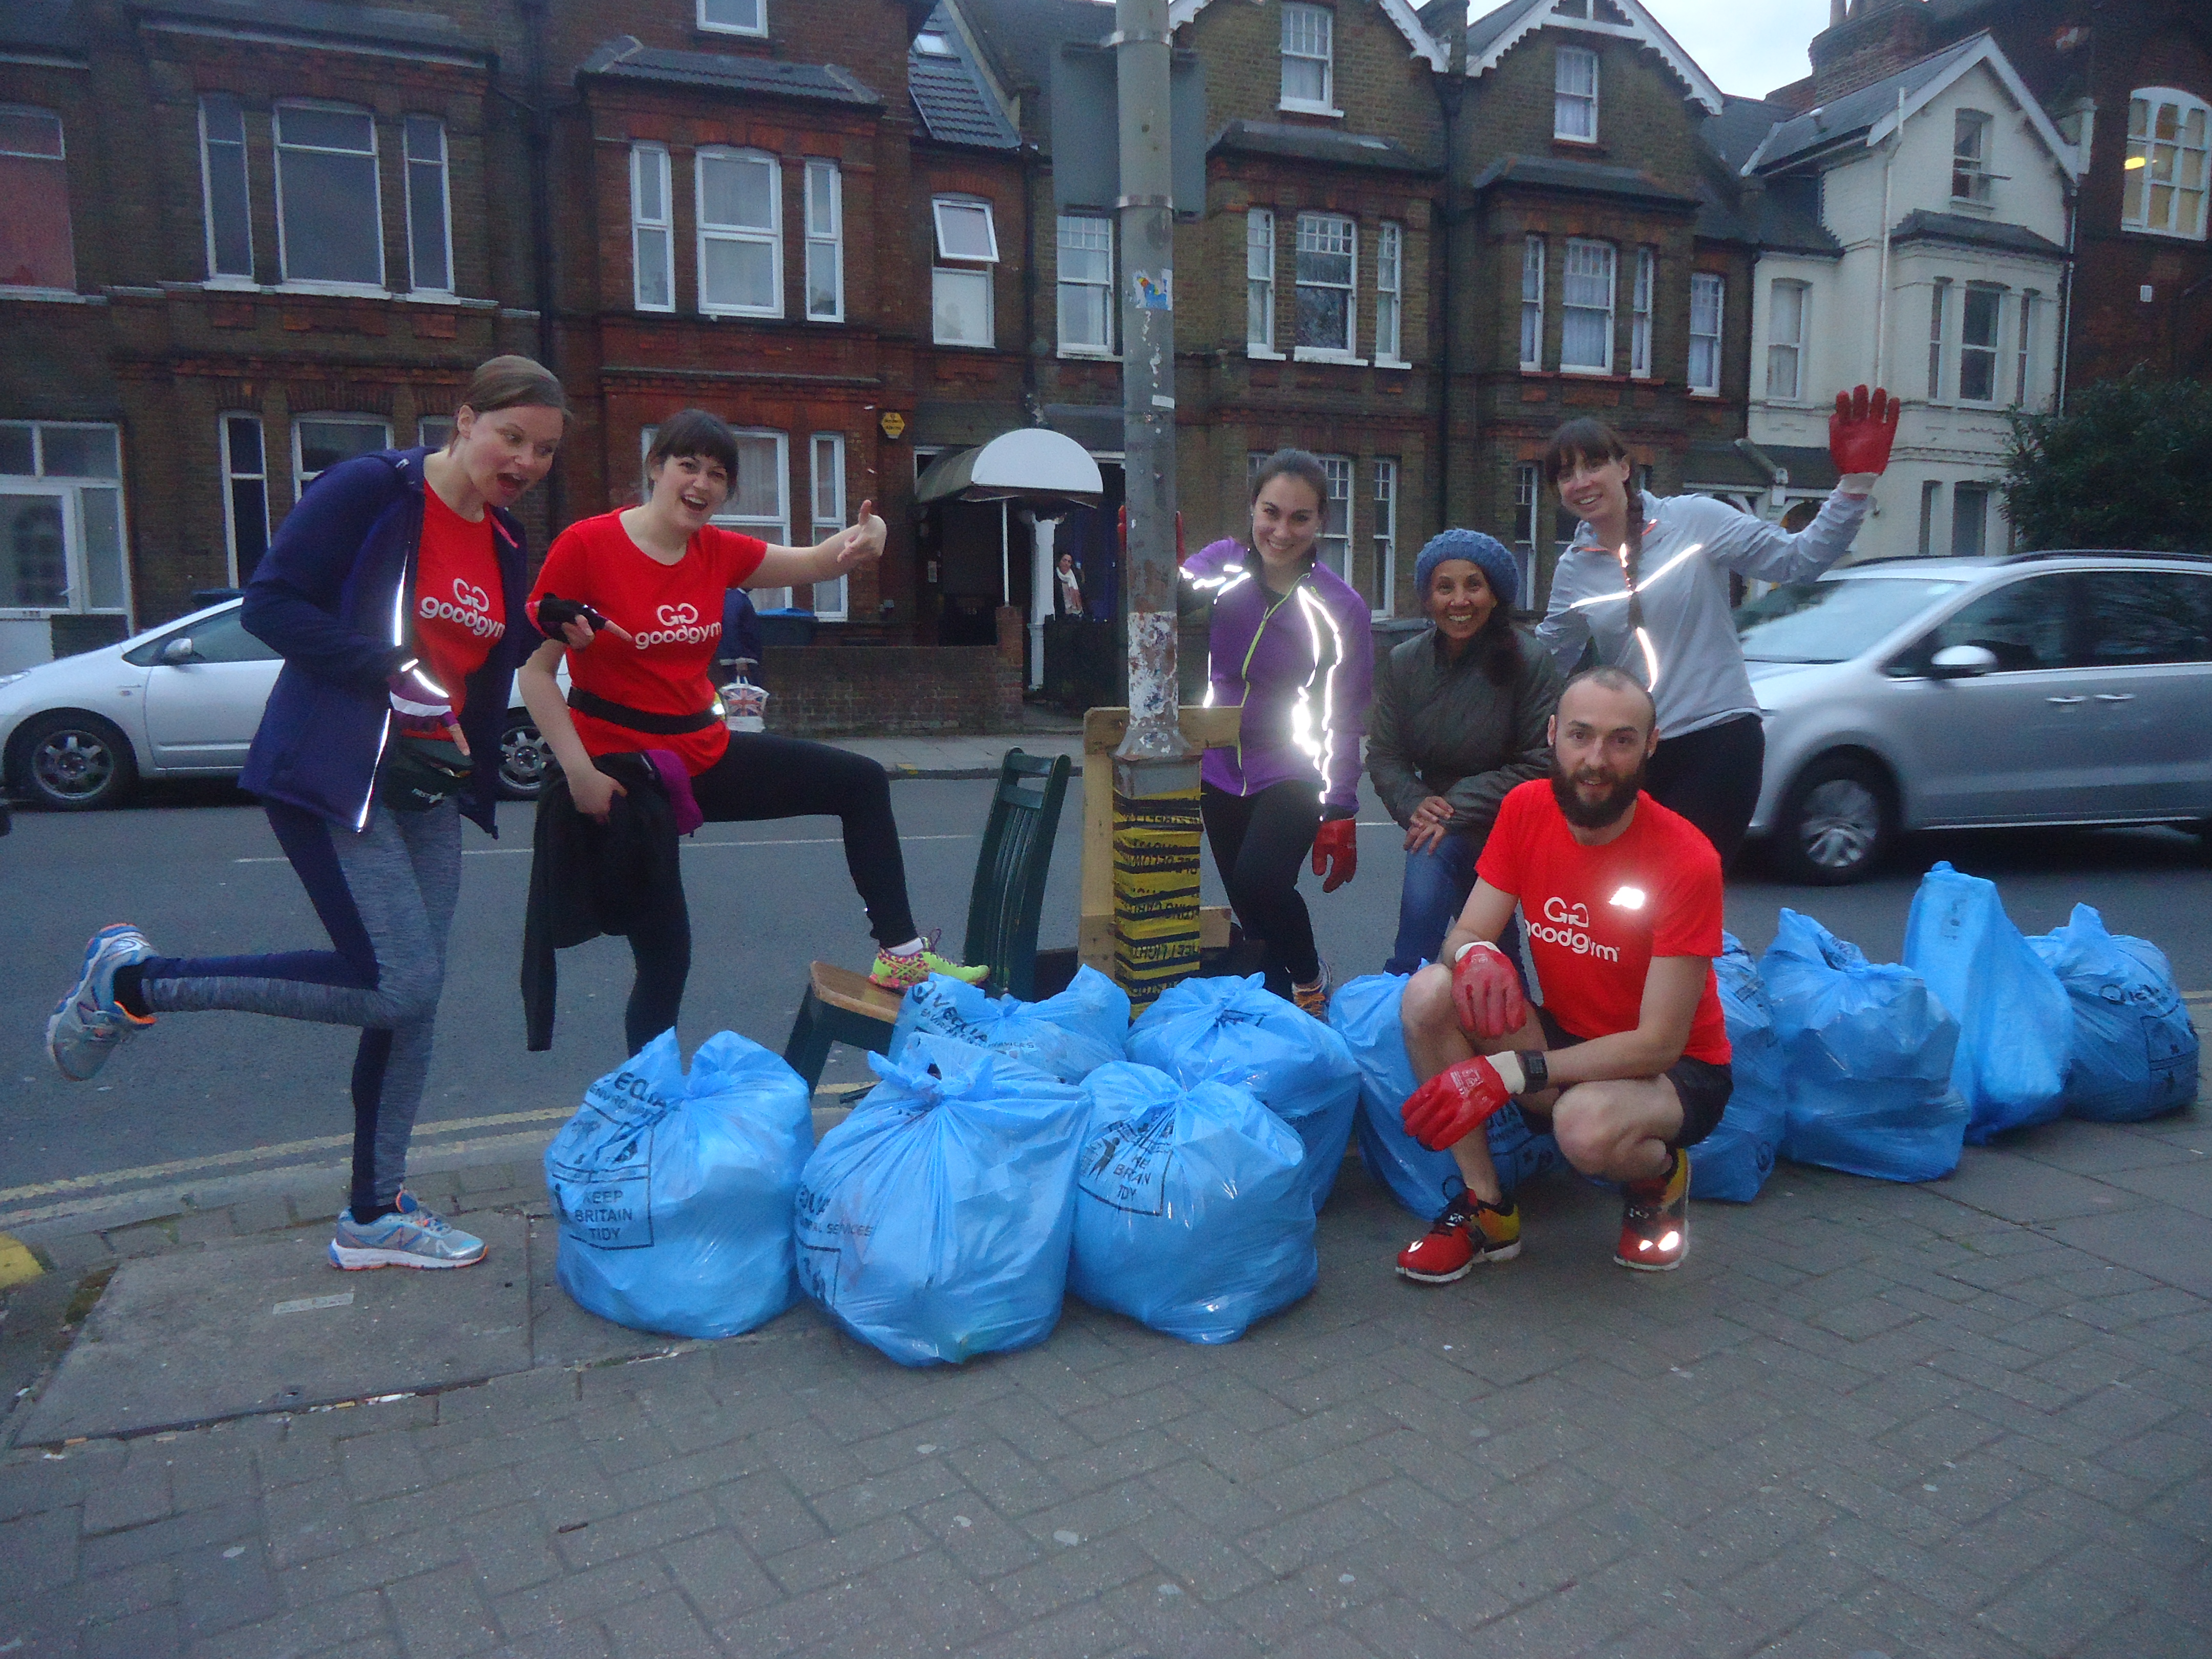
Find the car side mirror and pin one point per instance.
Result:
(1961, 662)
(178, 651)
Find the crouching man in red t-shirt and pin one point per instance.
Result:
(1628, 1060)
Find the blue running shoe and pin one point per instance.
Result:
(87, 1025)
(414, 1237)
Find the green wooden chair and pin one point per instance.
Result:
(1004, 904)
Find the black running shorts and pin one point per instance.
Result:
(1702, 1087)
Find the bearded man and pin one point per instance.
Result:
(1627, 1061)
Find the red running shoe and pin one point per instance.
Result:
(1655, 1220)
(1468, 1231)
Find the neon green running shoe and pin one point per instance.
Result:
(896, 973)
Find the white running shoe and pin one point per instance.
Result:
(87, 1025)
(414, 1237)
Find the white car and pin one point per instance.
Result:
(180, 701)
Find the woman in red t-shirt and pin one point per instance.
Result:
(634, 600)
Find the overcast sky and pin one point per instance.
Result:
(1747, 46)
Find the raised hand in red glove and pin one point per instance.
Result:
(1486, 994)
(1336, 848)
(1460, 1099)
(1861, 429)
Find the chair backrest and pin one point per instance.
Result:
(1007, 900)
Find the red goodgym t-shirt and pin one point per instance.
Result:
(460, 606)
(1596, 916)
(673, 610)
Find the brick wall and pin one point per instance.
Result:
(894, 691)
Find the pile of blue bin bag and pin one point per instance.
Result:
(2016, 1022)
(934, 1222)
(1364, 1013)
(1734, 1161)
(674, 1192)
(1066, 1035)
(1235, 1030)
(2134, 1049)
(1194, 1214)
(1867, 1051)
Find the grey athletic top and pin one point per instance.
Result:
(1689, 658)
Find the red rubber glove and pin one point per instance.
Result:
(1861, 429)
(1455, 1101)
(1486, 995)
(1336, 846)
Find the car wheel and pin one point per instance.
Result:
(525, 762)
(1837, 822)
(74, 762)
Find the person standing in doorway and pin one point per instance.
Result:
(1067, 586)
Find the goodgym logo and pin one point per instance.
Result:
(469, 608)
(1567, 926)
(679, 625)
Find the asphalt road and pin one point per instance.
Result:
(200, 873)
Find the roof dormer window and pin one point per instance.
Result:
(1308, 59)
(734, 16)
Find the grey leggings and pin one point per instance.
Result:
(386, 896)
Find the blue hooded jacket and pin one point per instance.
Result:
(330, 596)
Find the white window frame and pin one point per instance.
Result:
(1931, 495)
(937, 204)
(1938, 297)
(2024, 364)
(1528, 518)
(1532, 303)
(770, 238)
(1791, 350)
(828, 515)
(1322, 22)
(69, 490)
(1605, 255)
(1970, 163)
(774, 529)
(1983, 493)
(408, 163)
(1385, 537)
(226, 278)
(1639, 313)
(1333, 548)
(232, 475)
(644, 227)
(434, 431)
(300, 476)
(1259, 283)
(1084, 224)
(1992, 352)
(278, 146)
(822, 175)
(60, 157)
(1333, 227)
(1719, 289)
(2140, 165)
(1570, 102)
(967, 267)
(755, 28)
(1390, 296)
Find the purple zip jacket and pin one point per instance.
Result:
(1302, 668)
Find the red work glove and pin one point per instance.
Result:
(1458, 1100)
(1861, 429)
(1486, 995)
(1336, 846)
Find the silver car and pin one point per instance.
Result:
(1923, 694)
(178, 701)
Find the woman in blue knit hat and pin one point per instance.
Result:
(1459, 719)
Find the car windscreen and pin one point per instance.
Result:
(1831, 620)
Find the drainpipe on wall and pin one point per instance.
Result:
(1882, 287)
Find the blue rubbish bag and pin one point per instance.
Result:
(1734, 1161)
(1364, 1013)
(2015, 1024)
(674, 1193)
(1069, 1035)
(933, 1223)
(1236, 1030)
(2135, 1049)
(1867, 1052)
(1194, 1214)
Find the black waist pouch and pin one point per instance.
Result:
(419, 772)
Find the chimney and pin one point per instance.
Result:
(1835, 14)
(1876, 40)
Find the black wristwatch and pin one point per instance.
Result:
(1535, 1072)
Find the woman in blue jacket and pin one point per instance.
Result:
(394, 592)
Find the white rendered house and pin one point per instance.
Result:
(1948, 194)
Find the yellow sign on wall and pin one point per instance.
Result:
(893, 423)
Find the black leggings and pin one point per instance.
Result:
(1710, 776)
(1259, 841)
(765, 777)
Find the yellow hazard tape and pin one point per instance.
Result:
(16, 1262)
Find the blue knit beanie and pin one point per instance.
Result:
(1486, 553)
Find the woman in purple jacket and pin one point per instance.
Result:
(1291, 647)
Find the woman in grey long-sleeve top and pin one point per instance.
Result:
(1458, 720)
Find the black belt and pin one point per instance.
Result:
(637, 720)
